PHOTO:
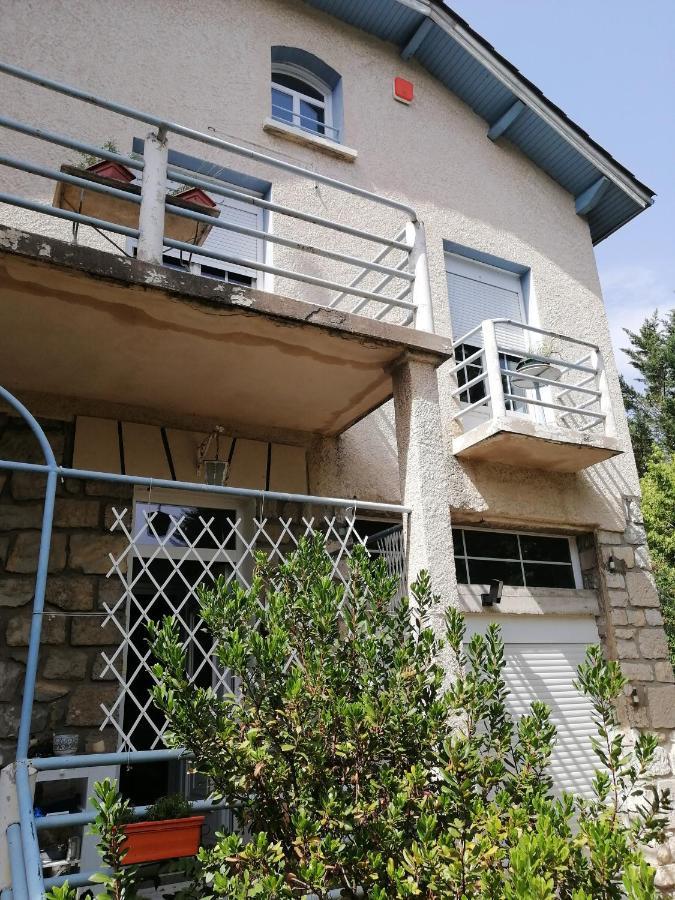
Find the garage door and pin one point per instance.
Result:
(542, 659)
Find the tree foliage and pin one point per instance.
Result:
(658, 507)
(354, 766)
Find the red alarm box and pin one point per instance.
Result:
(403, 90)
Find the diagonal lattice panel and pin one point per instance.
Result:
(169, 551)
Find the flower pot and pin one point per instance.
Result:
(108, 169)
(167, 839)
(528, 369)
(65, 744)
(195, 195)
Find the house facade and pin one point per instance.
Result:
(377, 315)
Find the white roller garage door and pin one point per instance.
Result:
(542, 658)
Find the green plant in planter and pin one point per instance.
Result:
(354, 770)
(173, 806)
(88, 159)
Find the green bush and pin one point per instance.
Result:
(354, 767)
(173, 806)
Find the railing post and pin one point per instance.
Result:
(153, 194)
(605, 401)
(494, 376)
(421, 288)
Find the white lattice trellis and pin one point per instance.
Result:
(166, 557)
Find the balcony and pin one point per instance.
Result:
(160, 283)
(530, 398)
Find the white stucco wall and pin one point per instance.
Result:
(207, 65)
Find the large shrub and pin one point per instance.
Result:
(354, 767)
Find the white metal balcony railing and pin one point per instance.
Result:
(505, 368)
(392, 285)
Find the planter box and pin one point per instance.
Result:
(169, 839)
(108, 169)
(125, 212)
(195, 195)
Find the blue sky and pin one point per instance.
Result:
(610, 64)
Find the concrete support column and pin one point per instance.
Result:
(423, 467)
(153, 193)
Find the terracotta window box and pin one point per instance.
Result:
(167, 839)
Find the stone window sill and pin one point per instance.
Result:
(315, 141)
(531, 602)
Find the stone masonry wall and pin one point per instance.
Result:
(70, 685)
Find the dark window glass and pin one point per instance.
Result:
(238, 278)
(462, 574)
(295, 84)
(457, 540)
(549, 576)
(545, 549)
(491, 543)
(282, 106)
(468, 373)
(176, 526)
(311, 117)
(482, 571)
(212, 272)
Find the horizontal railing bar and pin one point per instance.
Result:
(547, 333)
(45, 209)
(466, 362)
(282, 273)
(174, 174)
(73, 820)
(75, 879)
(547, 405)
(469, 384)
(290, 242)
(166, 125)
(548, 381)
(460, 341)
(549, 360)
(254, 493)
(588, 426)
(583, 382)
(114, 758)
(359, 278)
(482, 402)
(64, 141)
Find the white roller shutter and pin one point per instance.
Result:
(542, 658)
(231, 242)
(477, 292)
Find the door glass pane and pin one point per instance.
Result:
(491, 544)
(282, 106)
(549, 576)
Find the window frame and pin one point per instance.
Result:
(574, 556)
(330, 130)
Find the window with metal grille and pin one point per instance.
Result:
(519, 559)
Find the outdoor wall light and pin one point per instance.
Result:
(611, 564)
(212, 468)
(635, 697)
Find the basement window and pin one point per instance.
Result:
(519, 559)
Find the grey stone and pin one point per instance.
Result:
(11, 677)
(609, 537)
(620, 617)
(10, 714)
(664, 671)
(18, 630)
(89, 631)
(16, 591)
(627, 650)
(76, 513)
(635, 534)
(624, 634)
(653, 643)
(664, 879)
(65, 665)
(24, 553)
(84, 706)
(4, 547)
(614, 580)
(661, 699)
(90, 553)
(108, 489)
(653, 617)
(641, 588)
(637, 671)
(110, 592)
(15, 516)
(636, 617)
(633, 508)
(28, 486)
(642, 558)
(620, 554)
(71, 592)
(47, 692)
(21, 445)
(618, 598)
(100, 670)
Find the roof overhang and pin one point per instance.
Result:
(605, 192)
(106, 330)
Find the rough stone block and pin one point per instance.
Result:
(618, 598)
(110, 592)
(100, 670)
(635, 534)
(636, 616)
(65, 665)
(614, 580)
(84, 706)
(624, 634)
(665, 877)
(88, 631)
(47, 692)
(642, 558)
(641, 589)
(625, 555)
(71, 592)
(4, 547)
(637, 671)
(15, 591)
(653, 643)
(16, 516)
(633, 508)
(660, 767)
(11, 677)
(664, 671)
(18, 630)
(19, 444)
(90, 553)
(76, 513)
(108, 489)
(661, 699)
(620, 617)
(24, 553)
(113, 513)
(610, 537)
(10, 714)
(654, 617)
(627, 650)
(28, 486)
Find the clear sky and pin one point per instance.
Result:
(610, 64)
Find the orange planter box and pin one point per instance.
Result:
(169, 839)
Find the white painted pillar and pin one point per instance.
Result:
(418, 265)
(492, 367)
(423, 468)
(153, 194)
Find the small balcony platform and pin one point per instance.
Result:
(531, 398)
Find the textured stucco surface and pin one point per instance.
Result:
(433, 154)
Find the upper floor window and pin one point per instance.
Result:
(306, 93)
